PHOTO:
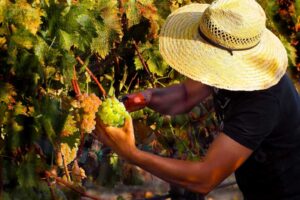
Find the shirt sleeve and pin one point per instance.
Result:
(251, 119)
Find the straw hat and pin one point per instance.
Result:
(225, 45)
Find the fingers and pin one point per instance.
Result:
(100, 127)
(103, 127)
(101, 124)
(108, 130)
(111, 131)
(104, 138)
(101, 134)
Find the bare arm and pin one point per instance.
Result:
(177, 99)
(223, 158)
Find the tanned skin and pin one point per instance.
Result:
(222, 159)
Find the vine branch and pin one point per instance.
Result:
(144, 63)
(65, 167)
(53, 196)
(93, 76)
(69, 185)
(75, 83)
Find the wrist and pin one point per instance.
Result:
(133, 156)
(147, 96)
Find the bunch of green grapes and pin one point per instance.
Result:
(112, 112)
(89, 105)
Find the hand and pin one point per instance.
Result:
(136, 101)
(121, 140)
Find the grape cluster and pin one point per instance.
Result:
(112, 112)
(69, 154)
(78, 173)
(89, 105)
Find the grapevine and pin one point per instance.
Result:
(49, 53)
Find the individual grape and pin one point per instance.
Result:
(89, 105)
(112, 112)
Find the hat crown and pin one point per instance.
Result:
(234, 24)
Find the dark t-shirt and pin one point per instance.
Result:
(268, 122)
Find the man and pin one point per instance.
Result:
(225, 50)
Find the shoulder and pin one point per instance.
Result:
(251, 116)
(234, 102)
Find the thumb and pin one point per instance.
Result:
(128, 126)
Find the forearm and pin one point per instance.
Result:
(177, 99)
(162, 100)
(197, 178)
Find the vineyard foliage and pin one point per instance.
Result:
(59, 56)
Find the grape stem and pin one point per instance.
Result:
(75, 83)
(53, 196)
(65, 167)
(144, 63)
(69, 185)
(131, 81)
(93, 76)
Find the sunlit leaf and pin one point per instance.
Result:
(132, 13)
(291, 51)
(101, 44)
(7, 93)
(23, 39)
(3, 8)
(138, 64)
(22, 14)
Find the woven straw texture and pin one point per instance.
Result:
(187, 52)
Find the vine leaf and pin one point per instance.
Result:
(156, 67)
(109, 12)
(297, 12)
(68, 62)
(53, 118)
(26, 172)
(3, 7)
(7, 93)
(132, 13)
(23, 38)
(149, 11)
(23, 15)
(45, 53)
(138, 64)
(66, 40)
(101, 44)
(291, 51)
(86, 23)
(153, 58)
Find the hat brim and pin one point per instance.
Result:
(184, 50)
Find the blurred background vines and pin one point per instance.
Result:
(48, 45)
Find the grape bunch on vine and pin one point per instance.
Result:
(61, 61)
